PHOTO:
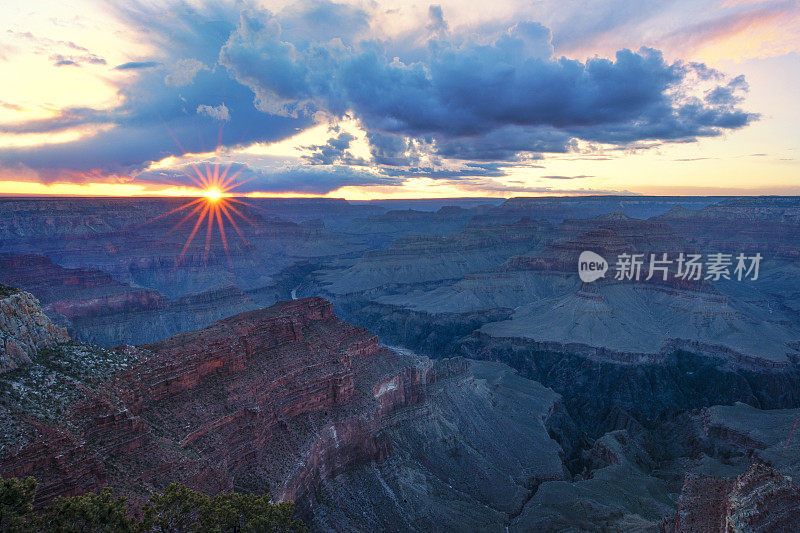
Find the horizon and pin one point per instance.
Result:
(5, 196)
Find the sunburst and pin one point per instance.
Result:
(212, 210)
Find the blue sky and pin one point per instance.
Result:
(398, 99)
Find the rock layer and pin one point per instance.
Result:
(759, 500)
(292, 401)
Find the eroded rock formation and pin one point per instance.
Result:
(759, 500)
(24, 329)
(292, 401)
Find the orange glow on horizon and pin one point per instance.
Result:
(213, 194)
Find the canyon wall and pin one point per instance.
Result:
(284, 400)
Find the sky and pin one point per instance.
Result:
(396, 99)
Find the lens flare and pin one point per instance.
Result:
(212, 210)
(215, 205)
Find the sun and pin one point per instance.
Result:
(213, 194)
(214, 205)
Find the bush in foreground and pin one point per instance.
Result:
(177, 509)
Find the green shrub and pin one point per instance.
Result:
(16, 502)
(177, 509)
(5, 290)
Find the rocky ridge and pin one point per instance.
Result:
(285, 400)
(94, 307)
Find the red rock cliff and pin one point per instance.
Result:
(272, 400)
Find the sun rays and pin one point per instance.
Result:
(213, 209)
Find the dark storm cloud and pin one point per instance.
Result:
(728, 95)
(467, 95)
(505, 143)
(336, 150)
(392, 150)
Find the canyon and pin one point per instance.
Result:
(472, 381)
(290, 401)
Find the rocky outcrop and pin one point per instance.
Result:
(286, 400)
(24, 329)
(418, 259)
(558, 209)
(759, 500)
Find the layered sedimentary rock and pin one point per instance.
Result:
(557, 209)
(749, 323)
(95, 307)
(24, 329)
(759, 500)
(374, 440)
(141, 242)
(416, 260)
(292, 401)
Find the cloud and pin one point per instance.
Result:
(336, 150)
(136, 65)
(581, 176)
(70, 117)
(465, 95)
(158, 114)
(219, 112)
(392, 150)
(691, 37)
(436, 101)
(505, 143)
(184, 72)
(283, 178)
(60, 60)
(728, 95)
(467, 171)
(716, 30)
(436, 25)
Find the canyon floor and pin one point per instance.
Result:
(410, 366)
